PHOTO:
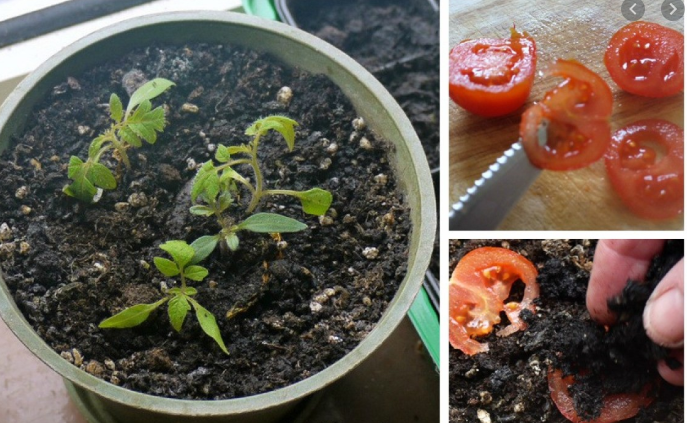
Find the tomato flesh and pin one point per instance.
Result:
(652, 187)
(575, 115)
(647, 59)
(616, 407)
(480, 284)
(492, 77)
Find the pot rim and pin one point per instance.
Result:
(395, 311)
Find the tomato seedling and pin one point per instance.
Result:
(480, 284)
(492, 77)
(576, 115)
(651, 186)
(647, 59)
(184, 264)
(215, 187)
(138, 122)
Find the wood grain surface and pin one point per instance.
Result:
(574, 200)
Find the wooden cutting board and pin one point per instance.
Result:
(574, 200)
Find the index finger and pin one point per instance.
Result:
(616, 261)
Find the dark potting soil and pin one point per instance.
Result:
(397, 41)
(70, 265)
(510, 381)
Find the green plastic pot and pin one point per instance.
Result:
(104, 402)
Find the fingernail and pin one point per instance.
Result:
(663, 318)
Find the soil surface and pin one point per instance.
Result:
(397, 41)
(70, 265)
(510, 381)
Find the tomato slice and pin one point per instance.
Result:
(575, 115)
(647, 59)
(480, 283)
(492, 77)
(652, 187)
(616, 407)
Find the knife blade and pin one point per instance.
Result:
(490, 199)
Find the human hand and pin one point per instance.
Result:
(616, 261)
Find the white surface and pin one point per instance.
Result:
(20, 59)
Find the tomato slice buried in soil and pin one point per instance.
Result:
(647, 59)
(492, 77)
(575, 115)
(616, 407)
(480, 283)
(651, 186)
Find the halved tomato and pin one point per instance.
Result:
(647, 59)
(575, 116)
(492, 77)
(616, 407)
(650, 186)
(480, 283)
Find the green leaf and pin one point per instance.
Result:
(190, 291)
(225, 200)
(229, 174)
(196, 273)
(282, 124)
(203, 247)
(271, 223)
(181, 252)
(130, 137)
(116, 108)
(146, 123)
(204, 173)
(235, 149)
(81, 189)
(101, 176)
(209, 324)
(178, 309)
(315, 201)
(148, 91)
(201, 210)
(166, 267)
(232, 241)
(95, 146)
(132, 316)
(222, 155)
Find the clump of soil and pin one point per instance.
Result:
(398, 42)
(71, 265)
(510, 381)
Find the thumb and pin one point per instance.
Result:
(664, 312)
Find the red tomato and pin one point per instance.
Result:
(616, 407)
(647, 59)
(576, 115)
(651, 187)
(492, 77)
(480, 283)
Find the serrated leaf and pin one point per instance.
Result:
(203, 247)
(132, 316)
(148, 91)
(95, 146)
(75, 167)
(147, 123)
(229, 174)
(196, 273)
(201, 210)
(166, 267)
(116, 108)
(222, 155)
(235, 149)
(181, 252)
(130, 137)
(201, 178)
(101, 176)
(209, 324)
(285, 126)
(271, 223)
(232, 241)
(225, 200)
(177, 309)
(315, 201)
